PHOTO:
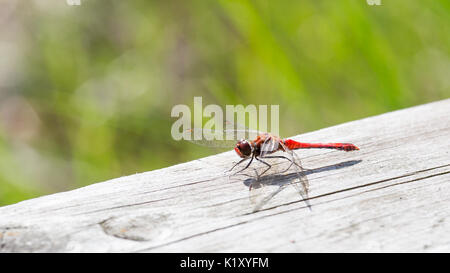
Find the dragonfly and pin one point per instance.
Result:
(262, 147)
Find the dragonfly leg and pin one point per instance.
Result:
(245, 166)
(267, 164)
(237, 164)
(280, 156)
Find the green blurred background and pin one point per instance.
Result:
(86, 91)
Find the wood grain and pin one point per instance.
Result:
(391, 195)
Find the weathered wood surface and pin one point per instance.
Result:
(392, 195)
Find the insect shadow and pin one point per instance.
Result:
(282, 180)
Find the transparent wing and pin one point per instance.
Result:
(261, 190)
(269, 146)
(257, 185)
(225, 137)
(301, 184)
(211, 138)
(266, 182)
(262, 193)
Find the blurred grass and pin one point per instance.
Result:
(87, 91)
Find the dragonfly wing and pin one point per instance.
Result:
(237, 126)
(299, 172)
(269, 146)
(261, 197)
(258, 190)
(267, 183)
(261, 190)
(221, 138)
(209, 138)
(241, 131)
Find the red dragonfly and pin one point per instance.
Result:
(264, 146)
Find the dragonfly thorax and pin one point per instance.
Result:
(243, 148)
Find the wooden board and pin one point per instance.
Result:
(392, 195)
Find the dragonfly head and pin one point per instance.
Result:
(243, 148)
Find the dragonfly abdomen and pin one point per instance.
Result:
(294, 145)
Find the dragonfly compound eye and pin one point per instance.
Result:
(243, 148)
